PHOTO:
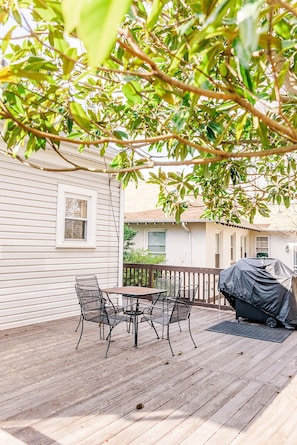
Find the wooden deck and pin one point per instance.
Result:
(230, 390)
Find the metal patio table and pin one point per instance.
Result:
(134, 292)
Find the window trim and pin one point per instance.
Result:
(243, 246)
(258, 247)
(147, 241)
(79, 193)
(218, 248)
(233, 247)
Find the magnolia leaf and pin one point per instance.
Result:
(155, 12)
(131, 91)
(286, 201)
(79, 115)
(6, 75)
(248, 22)
(96, 22)
(71, 12)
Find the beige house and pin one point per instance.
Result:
(53, 226)
(203, 243)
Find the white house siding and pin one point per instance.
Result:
(225, 247)
(36, 278)
(184, 245)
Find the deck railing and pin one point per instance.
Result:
(205, 279)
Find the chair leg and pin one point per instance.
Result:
(129, 324)
(81, 331)
(168, 338)
(101, 329)
(195, 346)
(79, 321)
(108, 338)
(156, 332)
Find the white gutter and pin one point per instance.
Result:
(121, 236)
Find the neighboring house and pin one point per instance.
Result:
(199, 242)
(54, 226)
(194, 242)
(278, 235)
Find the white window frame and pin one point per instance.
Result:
(243, 246)
(69, 191)
(265, 247)
(147, 241)
(295, 259)
(233, 247)
(218, 249)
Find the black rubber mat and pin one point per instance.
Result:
(259, 332)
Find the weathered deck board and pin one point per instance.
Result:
(230, 390)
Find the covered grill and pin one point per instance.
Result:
(261, 289)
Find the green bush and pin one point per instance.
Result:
(141, 256)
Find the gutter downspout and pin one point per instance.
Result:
(186, 228)
(121, 236)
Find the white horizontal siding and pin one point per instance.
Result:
(36, 278)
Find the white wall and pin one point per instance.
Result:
(225, 251)
(36, 278)
(194, 244)
(197, 247)
(280, 245)
(184, 245)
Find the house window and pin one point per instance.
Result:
(233, 247)
(217, 249)
(295, 258)
(243, 247)
(76, 217)
(262, 246)
(157, 242)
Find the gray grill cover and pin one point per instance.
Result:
(265, 283)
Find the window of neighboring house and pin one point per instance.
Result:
(262, 246)
(156, 242)
(233, 247)
(243, 247)
(295, 258)
(217, 249)
(76, 217)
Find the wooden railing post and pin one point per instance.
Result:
(151, 276)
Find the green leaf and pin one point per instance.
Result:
(207, 6)
(131, 91)
(286, 200)
(96, 22)
(120, 134)
(155, 12)
(79, 115)
(6, 39)
(248, 23)
(71, 12)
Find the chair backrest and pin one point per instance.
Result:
(91, 302)
(188, 292)
(171, 285)
(181, 310)
(89, 280)
(91, 299)
(182, 306)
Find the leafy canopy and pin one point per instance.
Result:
(209, 87)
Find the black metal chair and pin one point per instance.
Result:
(171, 285)
(172, 310)
(96, 307)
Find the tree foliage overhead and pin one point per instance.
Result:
(209, 85)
